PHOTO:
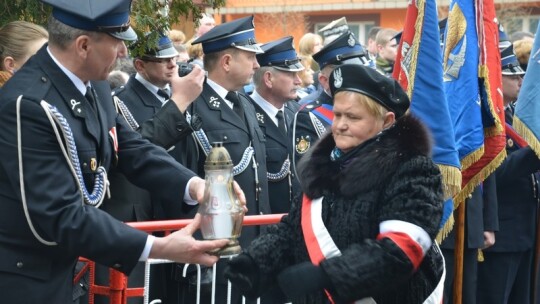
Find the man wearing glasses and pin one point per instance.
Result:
(145, 94)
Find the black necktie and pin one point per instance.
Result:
(163, 93)
(281, 122)
(237, 107)
(91, 97)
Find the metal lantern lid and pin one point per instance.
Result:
(218, 158)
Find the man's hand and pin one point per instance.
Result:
(181, 247)
(489, 239)
(186, 89)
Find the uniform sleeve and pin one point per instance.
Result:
(53, 200)
(167, 127)
(150, 167)
(411, 209)
(490, 210)
(517, 164)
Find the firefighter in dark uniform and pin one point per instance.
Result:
(505, 276)
(315, 115)
(59, 135)
(276, 84)
(229, 116)
(481, 223)
(147, 96)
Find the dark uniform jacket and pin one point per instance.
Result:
(32, 271)
(284, 188)
(392, 178)
(517, 193)
(480, 215)
(221, 124)
(310, 124)
(129, 202)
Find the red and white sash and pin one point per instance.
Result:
(320, 246)
(319, 242)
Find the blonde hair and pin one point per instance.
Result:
(177, 36)
(307, 42)
(15, 38)
(307, 62)
(374, 108)
(523, 48)
(194, 50)
(385, 35)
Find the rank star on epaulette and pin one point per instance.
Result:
(214, 101)
(302, 144)
(260, 118)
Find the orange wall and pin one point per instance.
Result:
(270, 27)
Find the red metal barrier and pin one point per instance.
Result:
(117, 291)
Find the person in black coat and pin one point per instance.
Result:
(315, 115)
(365, 226)
(505, 276)
(59, 135)
(481, 222)
(276, 85)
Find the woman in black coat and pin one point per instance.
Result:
(372, 204)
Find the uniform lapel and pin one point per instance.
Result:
(148, 98)
(216, 103)
(75, 101)
(269, 127)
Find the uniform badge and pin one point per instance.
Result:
(338, 80)
(351, 41)
(302, 144)
(510, 143)
(214, 101)
(260, 118)
(76, 108)
(93, 164)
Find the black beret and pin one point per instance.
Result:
(367, 81)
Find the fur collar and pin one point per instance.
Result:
(377, 161)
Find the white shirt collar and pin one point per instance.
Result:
(267, 107)
(151, 87)
(79, 84)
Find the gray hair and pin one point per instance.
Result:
(61, 35)
(258, 77)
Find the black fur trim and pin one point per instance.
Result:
(373, 165)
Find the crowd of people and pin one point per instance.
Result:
(93, 135)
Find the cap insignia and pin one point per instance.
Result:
(351, 41)
(338, 80)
